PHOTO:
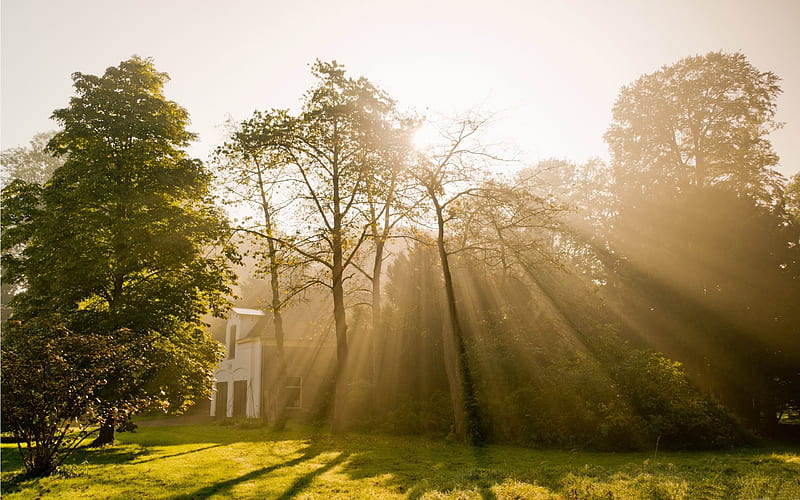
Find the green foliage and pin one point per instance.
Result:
(52, 379)
(700, 248)
(125, 237)
(537, 384)
(670, 410)
(723, 304)
(416, 416)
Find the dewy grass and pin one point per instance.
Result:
(220, 462)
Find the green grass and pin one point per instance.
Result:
(185, 462)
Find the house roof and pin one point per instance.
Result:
(242, 311)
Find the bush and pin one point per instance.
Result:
(433, 416)
(617, 398)
(672, 410)
(51, 377)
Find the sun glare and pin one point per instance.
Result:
(426, 136)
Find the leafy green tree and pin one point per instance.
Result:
(126, 230)
(52, 378)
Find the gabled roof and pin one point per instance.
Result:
(242, 311)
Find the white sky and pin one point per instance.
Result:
(552, 69)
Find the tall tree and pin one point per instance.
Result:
(698, 234)
(391, 198)
(254, 178)
(447, 172)
(126, 232)
(333, 147)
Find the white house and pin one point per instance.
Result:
(238, 377)
(245, 380)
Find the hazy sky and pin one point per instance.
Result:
(551, 69)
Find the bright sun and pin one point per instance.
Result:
(426, 136)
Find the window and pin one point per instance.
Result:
(232, 343)
(294, 392)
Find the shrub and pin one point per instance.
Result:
(51, 376)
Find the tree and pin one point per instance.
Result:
(254, 179)
(333, 148)
(391, 198)
(701, 121)
(446, 172)
(699, 249)
(126, 230)
(34, 164)
(52, 377)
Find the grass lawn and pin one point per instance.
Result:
(209, 461)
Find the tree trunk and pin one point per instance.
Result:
(459, 376)
(279, 400)
(339, 314)
(340, 320)
(375, 345)
(279, 387)
(105, 435)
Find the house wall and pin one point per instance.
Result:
(313, 361)
(245, 366)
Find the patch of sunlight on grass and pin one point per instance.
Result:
(457, 494)
(512, 489)
(788, 458)
(762, 486)
(624, 487)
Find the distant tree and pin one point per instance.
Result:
(125, 230)
(701, 121)
(34, 164)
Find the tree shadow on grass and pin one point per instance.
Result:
(414, 472)
(189, 452)
(309, 454)
(304, 481)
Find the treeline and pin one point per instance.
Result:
(650, 300)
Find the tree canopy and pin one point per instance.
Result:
(701, 121)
